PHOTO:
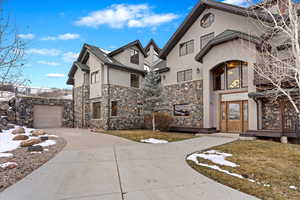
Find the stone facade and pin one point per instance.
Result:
(129, 103)
(81, 106)
(24, 110)
(190, 93)
(274, 119)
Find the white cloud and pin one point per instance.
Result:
(48, 63)
(66, 36)
(70, 56)
(49, 52)
(120, 15)
(242, 3)
(28, 36)
(55, 75)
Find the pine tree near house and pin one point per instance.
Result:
(153, 94)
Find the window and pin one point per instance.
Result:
(134, 81)
(97, 110)
(182, 110)
(94, 77)
(114, 108)
(231, 75)
(205, 39)
(184, 75)
(134, 56)
(186, 48)
(207, 20)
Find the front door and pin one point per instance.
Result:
(234, 116)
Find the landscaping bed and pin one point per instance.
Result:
(19, 161)
(149, 135)
(267, 170)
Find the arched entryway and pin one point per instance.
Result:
(230, 84)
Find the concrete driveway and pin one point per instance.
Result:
(103, 167)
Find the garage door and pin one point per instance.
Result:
(47, 116)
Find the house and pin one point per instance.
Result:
(206, 69)
(107, 85)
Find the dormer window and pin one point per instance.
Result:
(134, 56)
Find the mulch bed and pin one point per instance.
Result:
(27, 162)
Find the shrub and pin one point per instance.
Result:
(163, 121)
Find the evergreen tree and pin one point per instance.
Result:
(153, 94)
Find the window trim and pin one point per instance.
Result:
(226, 75)
(111, 109)
(181, 45)
(134, 52)
(184, 75)
(94, 76)
(213, 35)
(93, 115)
(138, 80)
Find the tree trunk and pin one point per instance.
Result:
(153, 121)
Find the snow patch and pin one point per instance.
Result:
(6, 155)
(154, 141)
(5, 165)
(217, 158)
(292, 187)
(46, 143)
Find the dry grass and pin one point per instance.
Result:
(267, 162)
(138, 135)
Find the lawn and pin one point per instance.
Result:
(138, 135)
(274, 167)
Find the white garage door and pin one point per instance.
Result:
(47, 116)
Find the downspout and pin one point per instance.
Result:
(108, 98)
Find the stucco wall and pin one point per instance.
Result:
(223, 21)
(95, 65)
(124, 58)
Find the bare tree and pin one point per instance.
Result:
(12, 51)
(279, 52)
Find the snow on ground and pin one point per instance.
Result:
(292, 187)
(4, 165)
(220, 159)
(154, 141)
(217, 158)
(8, 144)
(46, 143)
(6, 155)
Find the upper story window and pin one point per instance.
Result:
(185, 75)
(134, 81)
(207, 20)
(205, 39)
(186, 48)
(94, 77)
(134, 56)
(231, 75)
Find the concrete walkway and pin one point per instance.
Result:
(103, 167)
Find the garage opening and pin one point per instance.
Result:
(45, 116)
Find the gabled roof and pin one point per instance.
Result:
(134, 43)
(102, 56)
(156, 48)
(226, 36)
(193, 16)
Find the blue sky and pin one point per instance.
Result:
(55, 30)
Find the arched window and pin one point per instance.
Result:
(231, 75)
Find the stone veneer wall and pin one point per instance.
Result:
(24, 109)
(186, 93)
(128, 100)
(81, 106)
